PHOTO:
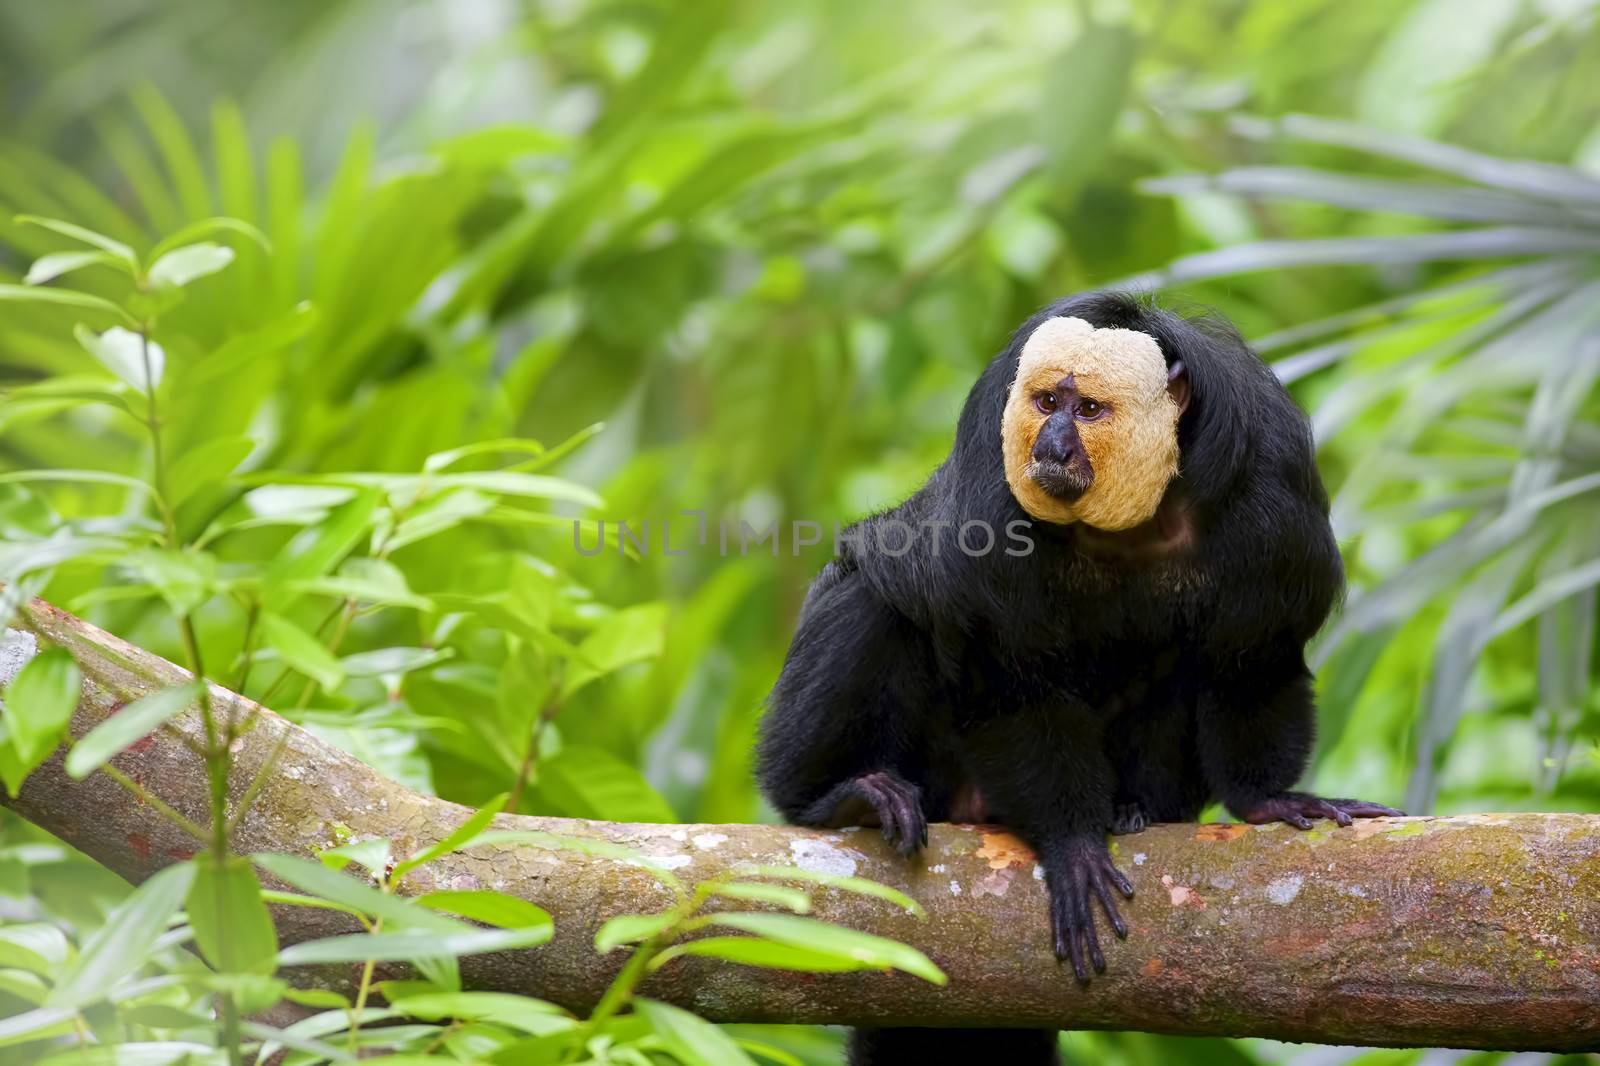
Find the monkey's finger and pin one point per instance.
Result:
(886, 818)
(913, 826)
(1093, 940)
(1075, 953)
(1061, 925)
(1084, 917)
(1328, 809)
(1065, 912)
(1118, 926)
(1120, 879)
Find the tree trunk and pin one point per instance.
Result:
(1478, 931)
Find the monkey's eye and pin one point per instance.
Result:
(1089, 409)
(1046, 402)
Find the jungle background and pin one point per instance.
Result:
(746, 259)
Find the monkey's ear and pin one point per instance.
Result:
(1178, 385)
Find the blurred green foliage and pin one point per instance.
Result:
(769, 247)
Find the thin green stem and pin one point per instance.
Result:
(530, 758)
(148, 798)
(248, 644)
(218, 753)
(362, 990)
(620, 992)
(258, 782)
(286, 672)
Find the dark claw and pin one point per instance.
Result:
(1128, 818)
(898, 804)
(1080, 873)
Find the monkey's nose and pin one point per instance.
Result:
(1053, 448)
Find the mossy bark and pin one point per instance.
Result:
(1475, 931)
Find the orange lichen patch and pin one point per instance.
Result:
(1182, 895)
(1002, 849)
(1152, 968)
(1220, 831)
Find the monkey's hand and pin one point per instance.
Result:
(882, 798)
(1078, 872)
(1298, 808)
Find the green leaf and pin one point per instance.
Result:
(207, 227)
(52, 266)
(180, 266)
(33, 946)
(346, 891)
(631, 635)
(383, 662)
(320, 998)
(1531, 178)
(87, 236)
(252, 992)
(754, 951)
(444, 460)
(36, 1024)
(689, 1038)
(311, 1050)
(301, 650)
(373, 854)
(458, 838)
(231, 924)
(1084, 91)
(411, 945)
(630, 929)
(123, 352)
(88, 477)
(791, 899)
(372, 581)
(38, 704)
(245, 350)
(501, 1008)
(62, 298)
(1454, 202)
(126, 727)
(512, 483)
(317, 551)
(30, 988)
(185, 578)
(125, 941)
(821, 936)
(136, 1053)
(588, 782)
(162, 1016)
(294, 899)
(1549, 592)
(210, 461)
(489, 907)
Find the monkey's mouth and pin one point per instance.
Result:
(1064, 481)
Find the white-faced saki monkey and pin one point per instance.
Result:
(1145, 658)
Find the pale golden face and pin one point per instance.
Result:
(1126, 421)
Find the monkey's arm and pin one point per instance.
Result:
(843, 739)
(1045, 775)
(1255, 728)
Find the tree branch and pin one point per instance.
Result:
(1475, 931)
